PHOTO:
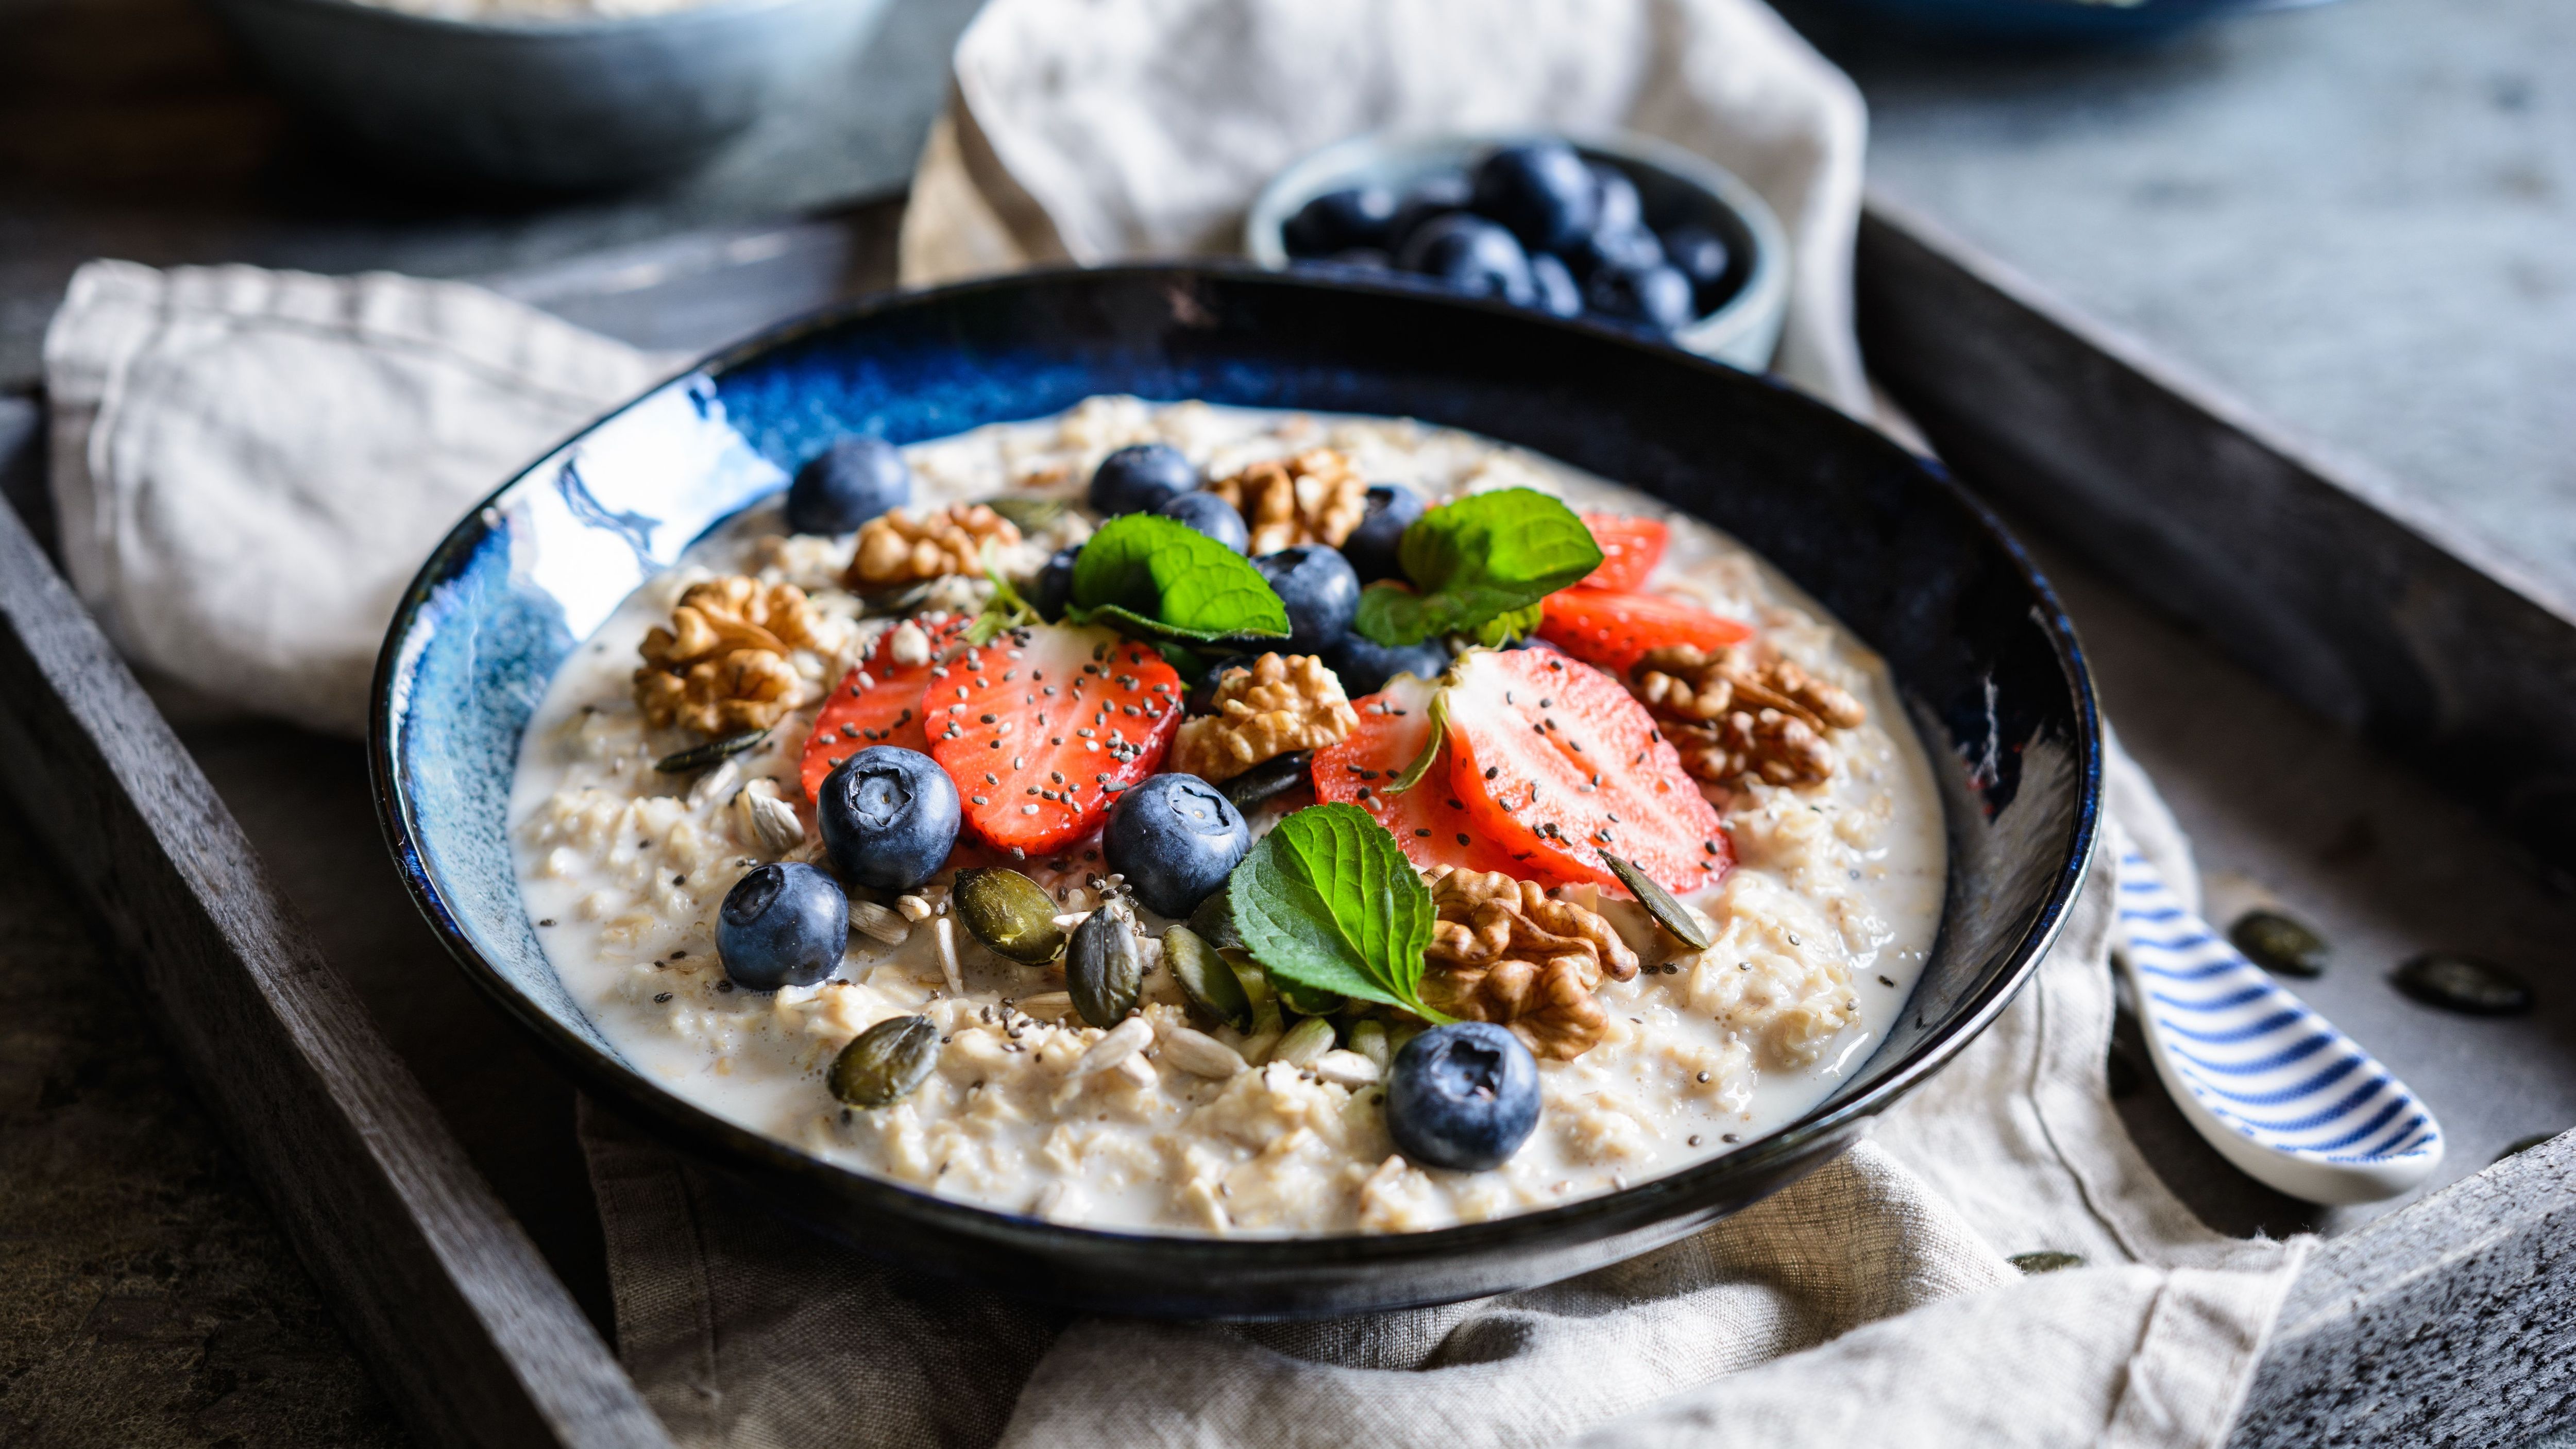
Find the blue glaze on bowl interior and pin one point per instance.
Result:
(1979, 647)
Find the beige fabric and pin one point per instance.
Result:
(1869, 1303)
(248, 466)
(1095, 130)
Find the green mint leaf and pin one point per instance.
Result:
(1476, 560)
(1328, 901)
(1502, 629)
(1156, 578)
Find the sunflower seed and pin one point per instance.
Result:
(1200, 1054)
(878, 924)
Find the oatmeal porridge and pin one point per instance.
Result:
(1076, 836)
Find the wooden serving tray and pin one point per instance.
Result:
(422, 1158)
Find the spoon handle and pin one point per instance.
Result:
(2291, 1101)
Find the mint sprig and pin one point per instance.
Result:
(1484, 559)
(1328, 901)
(1155, 578)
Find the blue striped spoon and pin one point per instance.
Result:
(2294, 1103)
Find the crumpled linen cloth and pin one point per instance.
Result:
(248, 466)
(1095, 130)
(1870, 1303)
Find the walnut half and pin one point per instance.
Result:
(1314, 497)
(901, 547)
(1743, 712)
(722, 665)
(1504, 952)
(1283, 703)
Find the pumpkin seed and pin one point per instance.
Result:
(1027, 514)
(1305, 1000)
(1266, 1018)
(1010, 913)
(2044, 1262)
(1659, 903)
(2462, 983)
(713, 752)
(885, 1062)
(2521, 1145)
(1269, 780)
(1205, 978)
(893, 603)
(2278, 944)
(1305, 1042)
(1103, 969)
(1214, 922)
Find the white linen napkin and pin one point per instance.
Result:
(248, 466)
(1094, 130)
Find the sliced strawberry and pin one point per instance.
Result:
(1045, 725)
(878, 703)
(1557, 763)
(1615, 630)
(1630, 549)
(1429, 820)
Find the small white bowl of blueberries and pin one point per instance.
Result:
(1623, 230)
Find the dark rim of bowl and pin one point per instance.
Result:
(702, 12)
(729, 1143)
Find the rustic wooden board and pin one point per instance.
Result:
(2435, 1322)
(475, 1341)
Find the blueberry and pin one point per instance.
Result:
(1210, 515)
(1554, 285)
(1364, 665)
(1202, 697)
(1371, 547)
(1432, 197)
(1634, 247)
(1701, 255)
(1542, 191)
(1473, 255)
(1339, 220)
(1140, 478)
(1321, 592)
(1616, 205)
(1175, 839)
(1357, 259)
(889, 817)
(1464, 1097)
(1054, 589)
(1659, 297)
(784, 924)
(847, 484)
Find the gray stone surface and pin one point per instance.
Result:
(2361, 217)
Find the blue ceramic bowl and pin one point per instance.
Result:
(1984, 658)
(568, 104)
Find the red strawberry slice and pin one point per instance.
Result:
(1043, 727)
(1615, 630)
(878, 703)
(1429, 820)
(1558, 763)
(1630, 549)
